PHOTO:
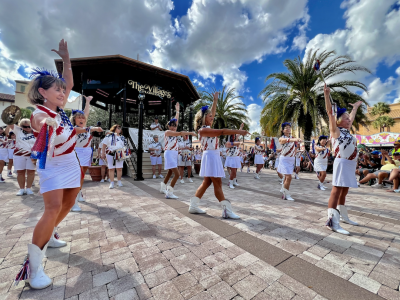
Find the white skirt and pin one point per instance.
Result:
(258, 159)
(298, 160)
(344, 173)
(223, 160)
(10, 153)
(85, 156)
(276, 163)
(211, 165)
(286, 165)
(119, 164)
(320, 165)
(4, 154)
(241, 160)
(23, 163)
(102, 162)
(233, 162)
(61, 172)
(170, 159)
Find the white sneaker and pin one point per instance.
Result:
(377, 186)
(21, 192)
(182, 181)
(108, 180)
(80, 197)
(170, 193)
(9, 174)
(111, 185)
(28, 191)
(256, 176)
(119, 183)
(160, 176)
(396, 191)
(231, 184)
(296, 176)
(286, 195)
(190, 180)
(102, 180)
(321, 187)
(235, 182)
(154, 176)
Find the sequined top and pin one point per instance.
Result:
(171, 143)
(288, 149)
(209, 143)
(322, 156)
(345, 146)
(24, 142)
(84, 140)
(258, 150)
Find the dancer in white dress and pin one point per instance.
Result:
(57, 165)
(321, 160)
(222, 151)
(211, 165)
(287, 158)
(23, 164)
(232, 162)
(155, 149)
(258, 156)
(345, 150)
(185, 157)
(171, 157)
(298, 160)
(83, 147)
(113, 145)
(3, 152)
(10, 147)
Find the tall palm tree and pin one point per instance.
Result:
(297, 95)
(231, 111)
(380, 109)
(382, 122)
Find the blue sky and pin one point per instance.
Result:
(233, 42)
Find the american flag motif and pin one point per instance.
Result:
(209, 143)
(171, 143)
(345, 146)
(84, 140)
(322, 156)
(24, 142)
(3, 142)
(288, 149)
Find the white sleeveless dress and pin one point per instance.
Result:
(232, 157)
(171, 152)
(258, 158)
(211, 165)
(83, 148)
(287, 158)
(321, 160)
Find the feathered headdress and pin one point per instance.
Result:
(77, 111)
(340, 111)
(204, 109)
(39, 73)
(322, 137)
(286, 124)
(172, 121)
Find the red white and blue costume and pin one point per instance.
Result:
(345, 150)
(59, 168)
(258, 155)
(83, 148)
(11, 147)
(24, 142)
(155, 155)
(321, 159)
(171, 152)
(233, 156)
(184, 155)
(114, 142)
(211, 165)
(3, 148)
(287, 157)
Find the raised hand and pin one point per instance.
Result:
(215, 95)
(177, 106)
(327, 91)
(88, 98)
(241, 126)
(356, 105)
(62, 50)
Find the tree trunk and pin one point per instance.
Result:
(308, 132)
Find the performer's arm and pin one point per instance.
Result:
(334, 130)
(177, 106)
(103, 151)
(7, 131)
(217, 132)
(230, 144)
(67, 69)
(182, 133)
(87, 106)
(354, 110)
(287, 140)
(319, 148)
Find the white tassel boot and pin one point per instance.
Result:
(231, 184)
(321, 187)
(227, 212)
(76, 205)
(55, 241)
(194, 206)
(235, 182)
(333, 221)
(37, 278)
(170, 193)
(286, 195)
(163, 188)
(81, 199)
(344, 216)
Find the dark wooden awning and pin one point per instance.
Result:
(104, 76)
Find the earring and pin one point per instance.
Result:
(45, 100)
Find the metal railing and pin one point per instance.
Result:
(134, 151)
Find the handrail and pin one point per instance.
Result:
(133, 148)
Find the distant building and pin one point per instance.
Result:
(394, 113)
(5, 101)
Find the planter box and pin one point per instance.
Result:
(95, 173)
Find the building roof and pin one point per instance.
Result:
(7, 97)
(394, 113)
(23, 81)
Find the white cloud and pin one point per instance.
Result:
(251, 98)
(300, 41)
(370, 37)
(254, 113)
(379, 91)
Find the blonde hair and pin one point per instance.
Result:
(45, 82)
(339, 120)
(114, 127)
(200, 119)
(23, 121)
(73, 117)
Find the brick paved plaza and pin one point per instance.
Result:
(131, 243)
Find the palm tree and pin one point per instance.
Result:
(297, 95)
(254, 135)
(382, 122)
(380, 109)
(231, 111)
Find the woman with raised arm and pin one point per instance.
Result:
(185, 157)
(58, 167)
(23, 164)
(211, 165)
(287, 158)
(171, 156)
(232, 161)
(258, 156)
(321, 160)
(83, 147)
(344, 147)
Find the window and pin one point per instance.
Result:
(22, 88)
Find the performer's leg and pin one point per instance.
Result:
(322, 176)
(218, 192)
(334, 197)
(111, 174)
(288, 180)
(176, 176)
(159, 170)
(21, 179)
(84, 169)
(189, 169)
(10, 164)
(68, 200)
(119, 174)
(203, 187)
(342, 196)
(103, 172)
(169, 173)
(279, 174)
(52, 208)
(181, 169)
(233, 173)
(2, 163)
(30, 178)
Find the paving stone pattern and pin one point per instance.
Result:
(127, 244)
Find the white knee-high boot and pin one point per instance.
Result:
(55, 241)
(333, 221)
(194, 206)
(344, 215)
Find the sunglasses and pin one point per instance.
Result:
(119, 127)
(26, 126)
(172, 125)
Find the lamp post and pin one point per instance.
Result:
(139, 167)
